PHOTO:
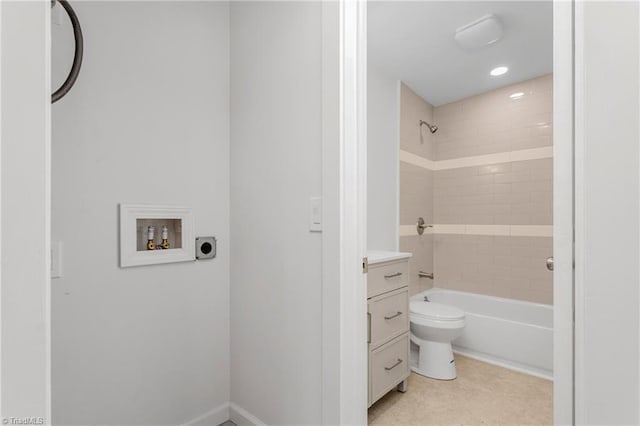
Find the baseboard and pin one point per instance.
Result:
(214, 417)
(242, 417)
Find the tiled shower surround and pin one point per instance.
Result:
(517, 193)
(416, 185)
(494, 122)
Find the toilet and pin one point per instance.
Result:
(433, 327)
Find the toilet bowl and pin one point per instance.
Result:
(433, 327)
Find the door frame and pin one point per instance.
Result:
(563, 212)
(25, 142)
(344, 305)
(344, 168)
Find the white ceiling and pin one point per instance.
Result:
(413, 42)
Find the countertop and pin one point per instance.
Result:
(378, 256)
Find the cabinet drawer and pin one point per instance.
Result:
(389, 365)
(389, 316)
(385, 277)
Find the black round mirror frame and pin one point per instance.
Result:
(77, 57)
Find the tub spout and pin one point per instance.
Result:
(422, 274)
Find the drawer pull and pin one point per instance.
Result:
(397, 274)
(396, 315)
(398, 362)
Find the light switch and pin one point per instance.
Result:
(56, 259)
(315, 214)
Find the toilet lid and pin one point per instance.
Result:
(435, 310)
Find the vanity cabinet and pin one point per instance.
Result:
(388, 322)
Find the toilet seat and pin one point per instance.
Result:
(434, 311)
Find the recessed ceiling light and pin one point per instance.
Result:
(516, 95)
(499, 71)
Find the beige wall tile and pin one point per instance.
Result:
(493, 122)
(422, 248)
(416, 194)
(513, 193)
(517, 193)
(413, 137)
(416, 185)
(511, 267)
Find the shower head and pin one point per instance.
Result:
(432, 128)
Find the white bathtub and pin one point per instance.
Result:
(505, 332)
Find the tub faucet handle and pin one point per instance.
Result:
(426, 299)
(550, 263)
(422, 225)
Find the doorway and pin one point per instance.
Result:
(562, 153)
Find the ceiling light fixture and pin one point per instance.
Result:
(499, 71)
(480, 33)
(516, 95)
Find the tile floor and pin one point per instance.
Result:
(483, 394)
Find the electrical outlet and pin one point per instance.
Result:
(206, 247)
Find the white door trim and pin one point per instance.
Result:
(48, 137)
(563, 211)
(25, 141)
(579, 245)
(344, 194)
(331, 249)
(352, 381)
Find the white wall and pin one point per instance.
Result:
(607, 164)
(147, 122)
(25, 143)
(276, 165)
(383, 133)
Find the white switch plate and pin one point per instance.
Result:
(56, 259)
(315, 214)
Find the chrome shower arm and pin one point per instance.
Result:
(432, 127)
